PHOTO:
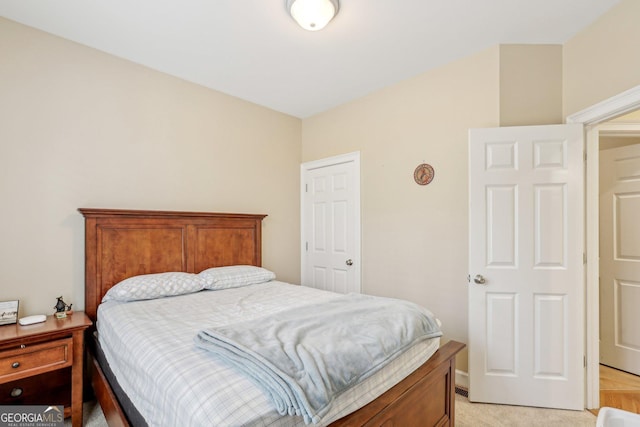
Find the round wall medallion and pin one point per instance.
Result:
(423, 174)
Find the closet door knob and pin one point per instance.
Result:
(349, 262)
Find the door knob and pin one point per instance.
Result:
(349, 261)
(479, 279)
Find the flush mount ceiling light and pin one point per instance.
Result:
(313, 15)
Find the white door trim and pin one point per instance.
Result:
(591, 117)
(603, 111)
(332, 161)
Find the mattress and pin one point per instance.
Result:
(150, 349)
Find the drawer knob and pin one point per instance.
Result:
(16, 392)
(15, 365)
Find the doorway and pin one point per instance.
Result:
(619, 169)
(592, 118)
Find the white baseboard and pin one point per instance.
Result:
(462, 379)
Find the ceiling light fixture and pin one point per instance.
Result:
(313, 15)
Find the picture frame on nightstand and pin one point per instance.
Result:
(9, 312)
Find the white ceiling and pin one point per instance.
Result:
(252, 49)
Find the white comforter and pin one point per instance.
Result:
(149, 345)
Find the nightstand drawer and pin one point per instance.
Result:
(35, 359)
(51, 388)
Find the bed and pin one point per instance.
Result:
(120, 244)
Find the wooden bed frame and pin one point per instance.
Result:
(125, 243)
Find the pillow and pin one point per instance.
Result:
(235, 276)
(151, 286)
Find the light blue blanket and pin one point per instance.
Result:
(303, 358)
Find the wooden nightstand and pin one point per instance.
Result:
(38, 361)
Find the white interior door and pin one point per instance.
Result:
(526, 242)
(620, 258)
(331, 223)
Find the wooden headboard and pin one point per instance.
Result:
(125, 243)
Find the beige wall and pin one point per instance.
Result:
(603, 60)
(609, 142)
(632, 117)
(414, 238)
(80, 128)
(530, 85)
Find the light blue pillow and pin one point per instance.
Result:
(235, 276)
(159, 285)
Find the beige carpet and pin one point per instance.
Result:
(92, 416)
(467, 415)
(480, 414)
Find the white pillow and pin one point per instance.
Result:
(235, 276)
(151, 286)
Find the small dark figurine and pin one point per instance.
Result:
(62, 309)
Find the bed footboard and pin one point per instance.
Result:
(424, 398)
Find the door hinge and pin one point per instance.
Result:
(584, 360)
(306, 246)
(306, 188)
(584, 258)
(585, 156)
